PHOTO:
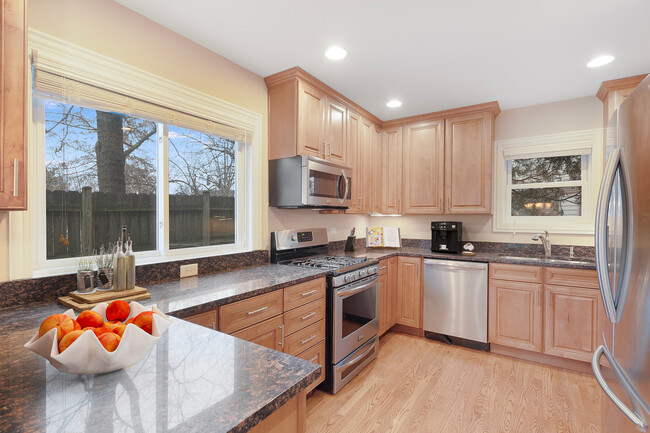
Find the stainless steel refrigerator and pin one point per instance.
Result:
(623, 264)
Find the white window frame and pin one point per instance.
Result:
(587, 143)
(30, 259)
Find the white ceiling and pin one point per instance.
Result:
(432, 55)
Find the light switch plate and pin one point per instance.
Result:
(189, 270)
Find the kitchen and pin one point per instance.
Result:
(93, 27)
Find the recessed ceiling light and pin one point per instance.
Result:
(394, 103)
(335, 53)
(600, 61)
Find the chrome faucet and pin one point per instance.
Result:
(546, 241)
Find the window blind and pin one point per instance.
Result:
(49, 82)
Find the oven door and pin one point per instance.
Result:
(327, 184)
(356, 316)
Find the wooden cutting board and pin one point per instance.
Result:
(71, 302)
(106, 296)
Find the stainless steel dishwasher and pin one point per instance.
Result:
(456, 302)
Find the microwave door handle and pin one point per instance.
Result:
(595, 366)
(347, 185)
(601, 234)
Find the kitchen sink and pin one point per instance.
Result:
(550, 260)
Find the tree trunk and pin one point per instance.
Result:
(110, 153)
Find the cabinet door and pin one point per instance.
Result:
(392, 291)
(13, 97)
(391, 172)
(365, 164)
(209, 319)
(468, 163)
(268, 333)
(409, 303)
(377, 167)
(336, 139)
(354, 161)
(424, 165)
(515, 314)
(384, 297)
(311, 125)
(571, 322)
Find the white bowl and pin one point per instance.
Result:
(87, 355)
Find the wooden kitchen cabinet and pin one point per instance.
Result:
(387, 294)
(244, 313)
(377, 167)
(554, 311)
(468, 163)
(515, 314)
(613, 92)
(13, 104)
(315, 354)
(311, 126)
(423, 167)
(268, 333)
(209, 319)
(335, 131)
(571, 322)
(360, 157)
(409, 287)
(391, 171)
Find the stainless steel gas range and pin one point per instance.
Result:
(352, 301)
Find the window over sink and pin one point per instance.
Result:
(548, 182)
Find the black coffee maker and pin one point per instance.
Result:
(446, 236)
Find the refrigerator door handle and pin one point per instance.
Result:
(601, 234)
(635, 417)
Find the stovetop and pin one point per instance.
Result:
(333, 263)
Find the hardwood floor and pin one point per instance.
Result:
(418, 385)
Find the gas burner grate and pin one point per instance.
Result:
(329, 262)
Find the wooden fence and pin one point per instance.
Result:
(90, 219)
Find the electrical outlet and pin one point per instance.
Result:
(189, 270)
(332, 230)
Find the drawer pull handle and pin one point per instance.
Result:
(383, 267)
(211, 325)
(313, 313)
(308, 340)
(314, 359)
(16, 178)
(309, 292)
(257, 311)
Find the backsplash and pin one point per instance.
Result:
(19, 292)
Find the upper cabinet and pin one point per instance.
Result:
(361, 133)
(614, 92)
(424, 167)
(306, 117)
(13, 100)
(447, 162)
(468, 163)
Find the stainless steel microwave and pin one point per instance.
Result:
(308, 182)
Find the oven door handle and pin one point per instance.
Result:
(354, 290)
(352, 361)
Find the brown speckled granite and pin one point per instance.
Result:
(20, 292)
(194, 379)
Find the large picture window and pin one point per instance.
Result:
(547, 182)
(115, 146)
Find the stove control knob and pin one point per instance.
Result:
(346, 278)
(363, 273)
(294, 238)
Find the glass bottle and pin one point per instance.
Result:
(130, 265)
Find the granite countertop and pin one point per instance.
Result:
(194, 379)
(487, 257)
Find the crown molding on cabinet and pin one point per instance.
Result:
(461, 111)
(296, 73)
(618, 84)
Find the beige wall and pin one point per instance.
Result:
(110, 29)
(558, 117)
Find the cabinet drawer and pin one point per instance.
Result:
(524, 273)
(571, 277)
(299, 341)
(315, 354)
(240, 314)
(383, 266)
(267, 333)
(306, 315)
(300, 294)
(209, 319)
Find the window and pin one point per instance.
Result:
(113, 145)
(549, 182)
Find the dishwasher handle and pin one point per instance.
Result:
(455, 264)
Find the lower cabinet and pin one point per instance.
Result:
(515, 314)
(209, 319)
(387, 294)
(560, 314)
(409, 288)
(268, 333)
